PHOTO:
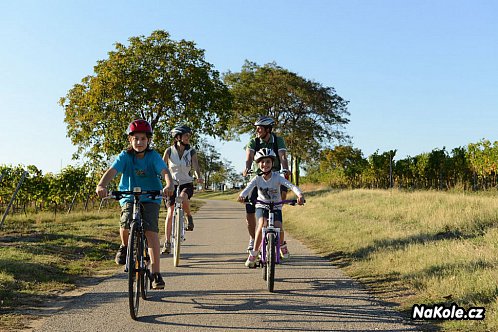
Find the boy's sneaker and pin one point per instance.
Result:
(251, 261)
(157, 282)
(284, 252)
(121, 255)
(190, 224)
(251, 245)
(166, 248)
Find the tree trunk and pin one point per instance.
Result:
(295, 170)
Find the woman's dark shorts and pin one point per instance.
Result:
(187, 188)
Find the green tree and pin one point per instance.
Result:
(459, 168)
(209, 161)
(342, 165)
(436, 170)
(153, 78)
(382, 167)
(305, 111)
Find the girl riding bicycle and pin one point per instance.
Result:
(140, 166)
(268, 184)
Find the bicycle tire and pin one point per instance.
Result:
(145, 272)
(265, 268)
(178, 237)
(265, 263)
(270, 262)
(133, 271)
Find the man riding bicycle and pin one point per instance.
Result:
(267, 186)
(265, 138)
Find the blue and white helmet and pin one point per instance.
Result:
(264, 121)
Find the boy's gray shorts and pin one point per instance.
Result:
(150, 216)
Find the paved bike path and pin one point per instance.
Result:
(213, 290)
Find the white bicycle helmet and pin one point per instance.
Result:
(265, 153)
(264, 121)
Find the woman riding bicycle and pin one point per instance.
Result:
(181, 158)
(268, 186)
(140, 166)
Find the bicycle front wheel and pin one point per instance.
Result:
(270, 261)
(134, 271)
(145, 272)
(178, 236)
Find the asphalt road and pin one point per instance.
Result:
(212, 290)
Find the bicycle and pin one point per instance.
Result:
(137, 256)
(270, 255)
(249, 173)
(177, 226)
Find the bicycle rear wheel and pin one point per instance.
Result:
(270, 261)
(133, 271)
(178, 236)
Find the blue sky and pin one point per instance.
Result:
(418, 74)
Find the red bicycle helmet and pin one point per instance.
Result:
(141, 126)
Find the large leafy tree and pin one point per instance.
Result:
(309, 115)
(155, 78)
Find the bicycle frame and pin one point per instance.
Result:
(271, 241)
(270, 228)
(137, 256)
(177, 231)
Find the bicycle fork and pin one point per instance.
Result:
(173, 225)
(266, 231)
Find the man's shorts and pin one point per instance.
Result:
(254, 194)
(187, 188)
(150, 216)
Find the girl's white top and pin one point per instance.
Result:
(269, 190)
(180, 167)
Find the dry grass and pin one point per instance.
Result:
(42, 255)
(421, 247)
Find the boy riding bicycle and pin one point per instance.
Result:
(140, 166)
(268, 187)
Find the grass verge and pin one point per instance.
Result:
(42, 256)
(409, 248)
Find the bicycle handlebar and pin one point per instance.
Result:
(282, 171)
(137, 191)
(287, 201)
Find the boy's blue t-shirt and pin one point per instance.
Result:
(139, 172)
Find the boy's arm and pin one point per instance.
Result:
(101, 189)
